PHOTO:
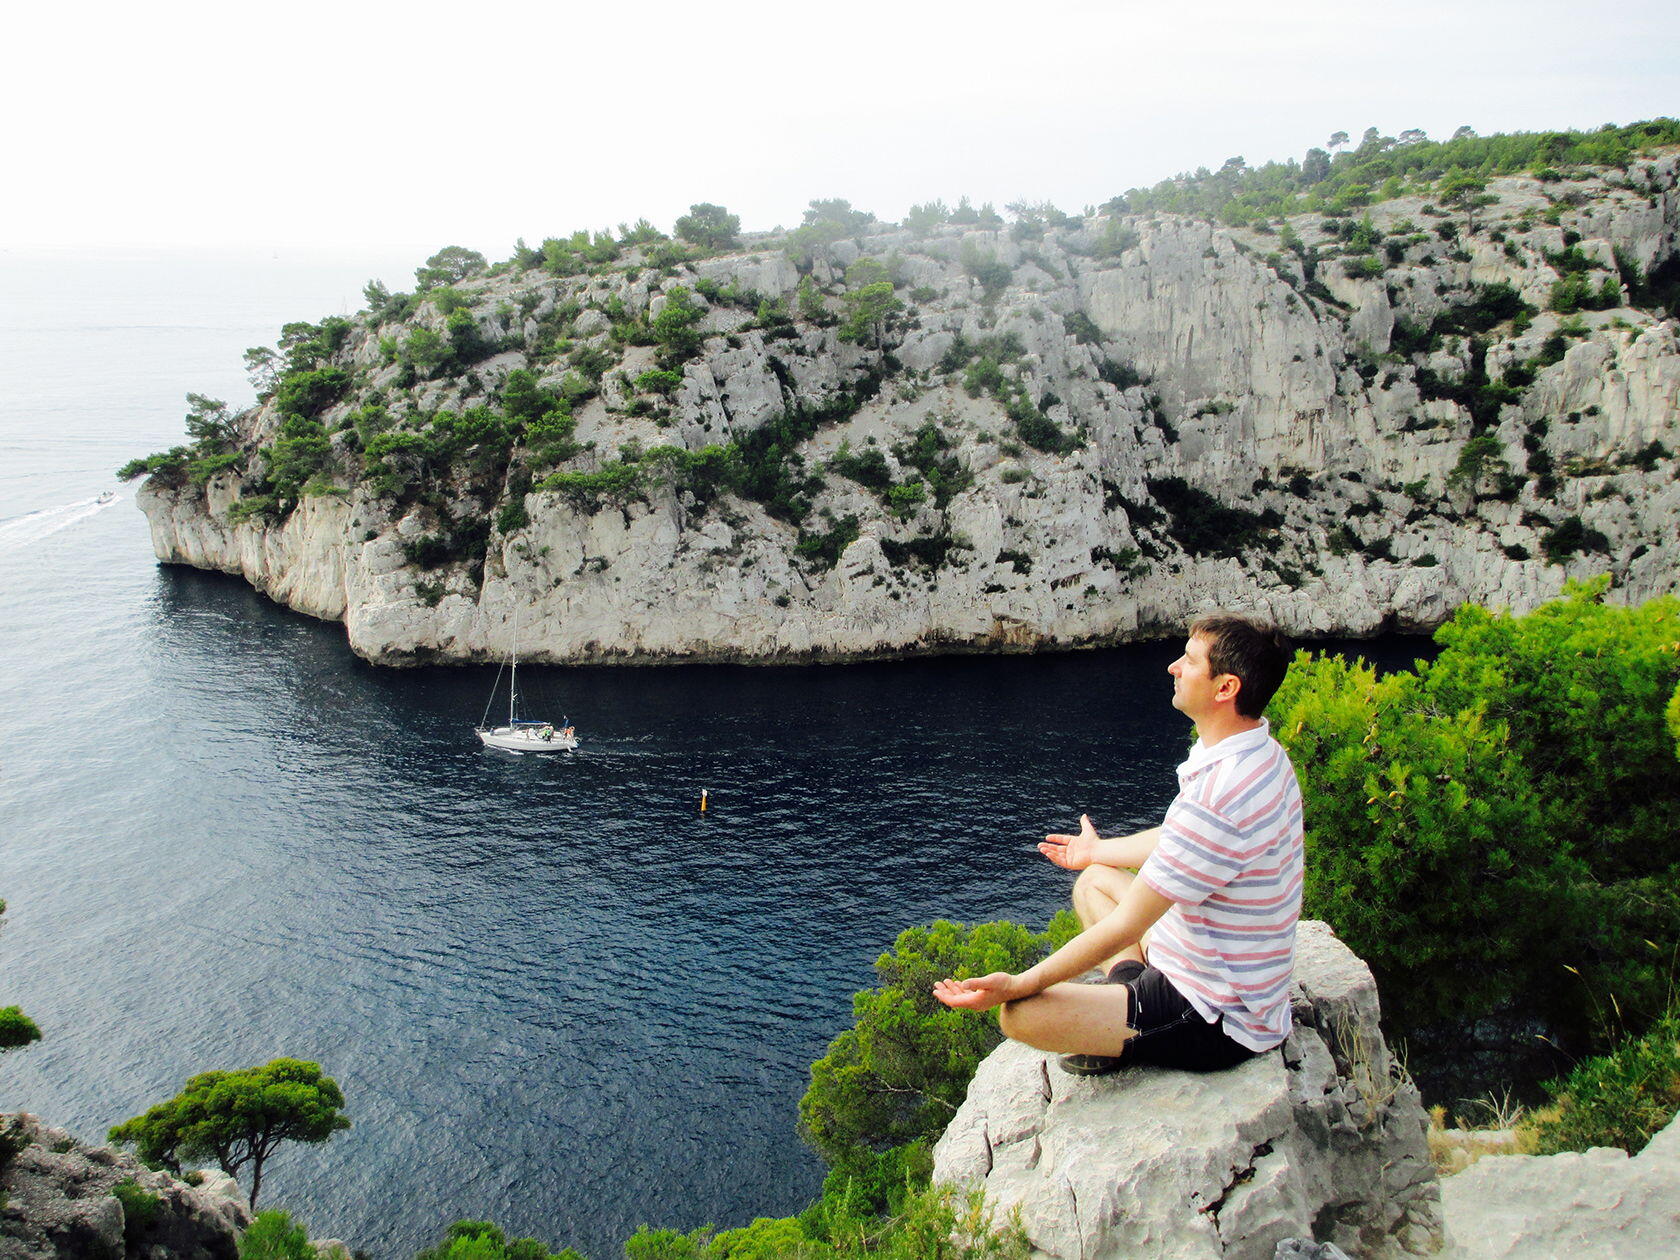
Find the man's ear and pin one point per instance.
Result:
(1229, 685)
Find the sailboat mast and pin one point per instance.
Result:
(513, 679)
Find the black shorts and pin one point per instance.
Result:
(1169, 1032)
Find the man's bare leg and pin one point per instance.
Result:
(1095, 894)
(1070, 1019)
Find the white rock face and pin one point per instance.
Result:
(1595, 1205)
(1316, 1140)
(1200, 355)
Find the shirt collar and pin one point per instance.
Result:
(1203, 755)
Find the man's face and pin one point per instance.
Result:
(1195, 685)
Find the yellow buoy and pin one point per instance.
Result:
(702, 800)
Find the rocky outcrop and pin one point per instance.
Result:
(1151, 416)
(1323, 1140)
(61, 1200)
(1592, 1205)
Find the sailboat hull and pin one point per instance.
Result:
(526, 740)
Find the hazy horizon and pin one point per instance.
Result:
(403, 129)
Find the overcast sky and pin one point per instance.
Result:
(411, 126)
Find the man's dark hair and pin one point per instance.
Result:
(1255, 652)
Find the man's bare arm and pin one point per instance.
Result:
(1121, 927)
(1076, 852)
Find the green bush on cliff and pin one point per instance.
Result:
(1505, 812)
(16, 1028)
(309, 393)
(238, 1118)
(301, 450)
(889, 1085)
(709, 226)
(1619, 1099)
(168, 464)
(928, 1222)
(675, 328)
(272, 1235)
(482, 1240)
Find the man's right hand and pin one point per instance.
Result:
(1072, 853)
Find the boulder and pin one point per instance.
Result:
(60, 1203)
(1586, 1205)
(1322, 1139)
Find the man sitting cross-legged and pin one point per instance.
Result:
(1198, 945)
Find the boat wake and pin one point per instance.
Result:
(32, 527)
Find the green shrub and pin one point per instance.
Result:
(1523, 782)
(928, 550)
(984, 266)
(868, 467)
(512, 517)
(140, 1208)
(709, 226)
(167, 465)
(299, 451)
(1202, 525)
(16, 1028)
(1569, 537)
(897, 1075)
(921, 1222)
(1041, 433)
(1419, 823)
(1482, 456)
(450, 264)
(307, 394)
(483, 1240)
(1620, 1099)
(931, 453)
(252, 506)
(1120, 375)
(619, 482)
(823, 549)
(674, 328)
(658, 381)
(907, 496)
(272, 1235)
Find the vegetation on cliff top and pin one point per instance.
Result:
(1339, 179)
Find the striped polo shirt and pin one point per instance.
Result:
(1229, 860)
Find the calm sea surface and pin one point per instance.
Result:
(554, 993)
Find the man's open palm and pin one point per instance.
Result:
(1073, 853)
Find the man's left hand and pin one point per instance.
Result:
(981, 993)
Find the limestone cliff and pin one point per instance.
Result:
(1062, 435)
(63, 1200)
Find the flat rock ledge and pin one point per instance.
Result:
(57, 1202)
(1595, 1205)
(1322, 1139)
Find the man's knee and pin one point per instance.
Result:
(1108, 882)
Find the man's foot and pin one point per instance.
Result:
(1089, 1064)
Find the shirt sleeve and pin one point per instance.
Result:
(1199, 852)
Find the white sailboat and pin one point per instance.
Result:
(522, 735)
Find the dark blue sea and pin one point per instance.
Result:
(555, 994)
